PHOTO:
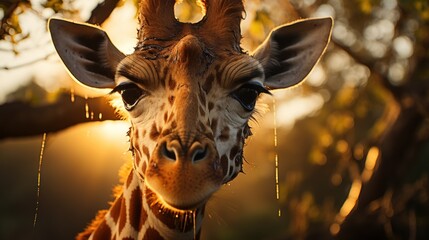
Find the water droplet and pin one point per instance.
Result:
(42, 149)
(276, 157)
(86, 110)
(72, 95)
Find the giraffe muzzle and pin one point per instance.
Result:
(184, 173)
(175, 151)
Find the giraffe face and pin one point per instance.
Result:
(189, 115)
(189, 88)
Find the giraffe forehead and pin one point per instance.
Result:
(190, 53)
(190, 62)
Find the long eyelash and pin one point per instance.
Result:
(121, 87)
(258, 88)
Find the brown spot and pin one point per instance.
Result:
(162, 107)
(170, 118)
(166, 131)
(138, 160)
(152, 234)
(202, 113)
(171, 99)
(172, 84)
(136, 209)
(201, 126)
(224, 134)
(146, 151)
(239, 137)
(224, 164)
(202, 97)
(122, 215)
(165, 117)
(102, 232)
(129, 179)
(154, 134)
(208, 83)
(173, 124)
(143, 219)
(218, 73)
(238, 160)
(247, 131)
(211, 106)
(116, 209)
(143, 169)
(144, 133)
(234, 152)
(213, 125)
(128, 238)
(234, 175)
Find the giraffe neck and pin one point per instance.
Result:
(138, 214)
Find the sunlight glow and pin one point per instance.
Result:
(186, 12)
(381, 30)
(396, 73)
(317, 76)
(351, 200)
(325, 10)
(112, 129)
(122, 35)
(290, 111)
(370, 163)
(342, 32)
(403, 46)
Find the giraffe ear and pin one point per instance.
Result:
(290, 52)
(86, 51)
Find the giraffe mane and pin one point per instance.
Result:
(124, 172)
(156, 18)
(223, 17)
(220, 25)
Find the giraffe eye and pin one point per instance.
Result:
(247, 95)
(131, 94)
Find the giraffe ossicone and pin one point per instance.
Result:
(189, 90)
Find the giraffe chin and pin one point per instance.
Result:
(178, 202)
(188, 207)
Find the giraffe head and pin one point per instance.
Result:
(189, 88)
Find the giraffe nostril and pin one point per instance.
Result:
(199, 154)
(170, 154)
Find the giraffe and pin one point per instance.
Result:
(189, 91)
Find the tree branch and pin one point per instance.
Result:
(102, 11)
(21, 119)
(43, 58)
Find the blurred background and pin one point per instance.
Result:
(352, 140)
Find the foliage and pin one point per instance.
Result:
(11, 24)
